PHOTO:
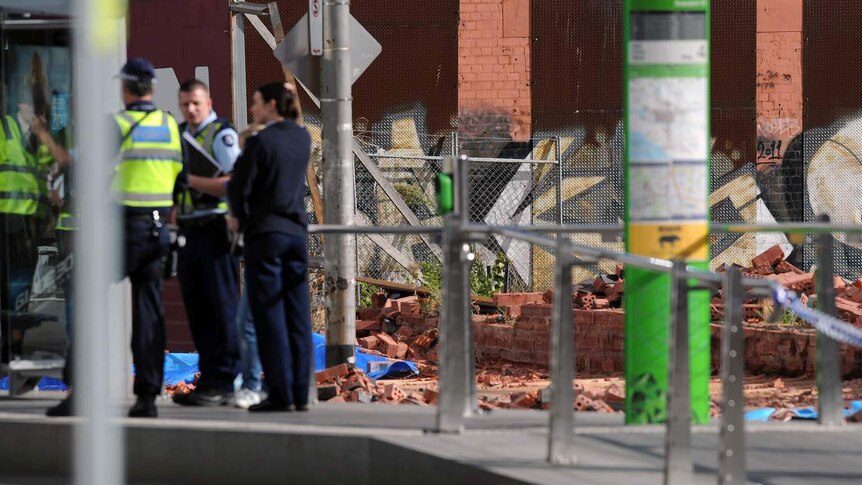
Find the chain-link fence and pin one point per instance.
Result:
(521, 188)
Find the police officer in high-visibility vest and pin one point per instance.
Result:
(20, 196)
(147, 177)
(208, 270)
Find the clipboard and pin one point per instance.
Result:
(201, 163)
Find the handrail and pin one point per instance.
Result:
(802, 227)
(457, 372)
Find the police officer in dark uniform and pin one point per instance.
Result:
(147, 177)
(208, 270)
(267, 196)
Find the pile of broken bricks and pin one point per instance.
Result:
(397, 330)
(344, 383)
(772, 265)
(604, 292)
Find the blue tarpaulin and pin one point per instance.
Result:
(183, 367)
(398, 368)
(45, 384)
(807, 413)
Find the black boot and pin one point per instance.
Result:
(268, 406)
(63, 408)
(145, 407)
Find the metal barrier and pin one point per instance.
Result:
(458, 400)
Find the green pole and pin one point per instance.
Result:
(666, 75)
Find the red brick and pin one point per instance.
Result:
(536, 310)
(404, 332)
(525, 400)
(369, 342)
(509, 299)
(393, 393)
(803, 282)
(378, 300)
(332, 373)
(513, 311)
(369, 313)
(367, 325)
(430, 396)
(387, 345)
(401, 351)
(769, 258)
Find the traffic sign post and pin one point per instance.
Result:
(315, 27)
(667, 71)
(295, 52)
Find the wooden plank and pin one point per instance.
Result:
(405, 288)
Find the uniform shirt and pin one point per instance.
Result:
(182, 179)
(225, 144)
(267, 190)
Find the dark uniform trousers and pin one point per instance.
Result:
(209, 281)
(143, 266)
(18, 257)
(143, 257)
(277, 273)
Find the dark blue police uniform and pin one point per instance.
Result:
(267, 195)
(208, 271)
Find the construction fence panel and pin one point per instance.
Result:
(830, 170)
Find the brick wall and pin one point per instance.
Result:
(494, 97)
(176, 325)
(598, 339)
(779, 78)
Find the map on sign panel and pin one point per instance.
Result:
(667, 119)
(667, 123)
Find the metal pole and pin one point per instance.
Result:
(558, 155)
(98, 440)
(678, 464)
(462, 208)
(238, 86)
(561, 431)
(455, 401)
(830, 398)
(336, 111)
(454, 150)
(732, 457)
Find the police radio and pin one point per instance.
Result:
(178, 241)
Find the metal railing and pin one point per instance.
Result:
(457, 383)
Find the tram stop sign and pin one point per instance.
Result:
(294, 53)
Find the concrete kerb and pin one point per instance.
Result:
(373, 445)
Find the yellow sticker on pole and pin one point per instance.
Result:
(670, 240)
(105, 27)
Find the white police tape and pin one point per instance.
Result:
(829, 325)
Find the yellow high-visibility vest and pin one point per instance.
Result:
(19, 177)
(150, 159)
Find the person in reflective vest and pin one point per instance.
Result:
(61, 155)
(208, 270)
(148, 174)
(19, 201)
